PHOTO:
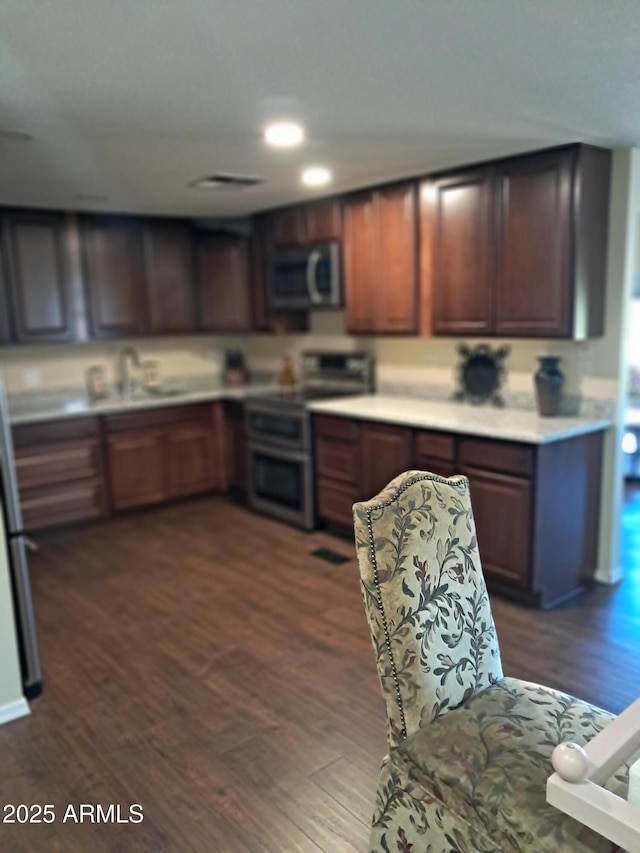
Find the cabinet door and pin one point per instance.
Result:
(170, 277)
(462, 267)
(323, 221)
(223, 282)
(502, 511)
(360, 263)
(386, 452)
(534, 287)
(397, 286)
(137, 468)
(335, 501)
(115, 277)
(190, 457)
(39, 276)
(289, 226)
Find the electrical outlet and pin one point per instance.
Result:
(31, 378)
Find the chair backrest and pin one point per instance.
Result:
(425, 598)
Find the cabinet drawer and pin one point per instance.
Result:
(53, 505)
(345, 429)
(337, 459)
(190, 453)
(437, 445)
(335, 501)
(49, 432)
(504, 456)
(441, 467)
(57, 463)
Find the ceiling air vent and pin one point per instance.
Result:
(222, 181)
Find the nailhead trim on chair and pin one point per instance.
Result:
(374, 563)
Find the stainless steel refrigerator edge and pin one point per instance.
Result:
(18, 564)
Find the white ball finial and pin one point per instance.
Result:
(570, 762)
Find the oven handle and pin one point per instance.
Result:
(312, 269)
(279, 452)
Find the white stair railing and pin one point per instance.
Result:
(576, 786)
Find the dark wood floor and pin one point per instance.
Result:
(200, 662)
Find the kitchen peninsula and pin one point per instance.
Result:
(535, 482)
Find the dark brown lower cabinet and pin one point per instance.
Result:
(537, 511)
(338, 468)
(60, 472)
(536, 507)
(75, 470)
(336, 500)
(157, 455)
(191, 459)
(502, 511)
(136, 463)
(386, 452)
(435, 452)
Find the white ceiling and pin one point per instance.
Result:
(133, 99)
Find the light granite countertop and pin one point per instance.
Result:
(489, 422)
(32, 407)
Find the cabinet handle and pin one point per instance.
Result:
(312, 266)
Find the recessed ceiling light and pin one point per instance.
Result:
(15, 136)
(316, 176)
(284, 134)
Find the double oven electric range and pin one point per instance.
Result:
(280, 443)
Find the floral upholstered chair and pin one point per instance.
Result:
(469, 750)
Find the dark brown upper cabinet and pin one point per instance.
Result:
(223, 282)
(39, 271)
(533, 207)
(114, 275)
(359, 262)
(170, 276)
(519, 247)
(316, 222)
(397, 260)
(462, 238)
(381, 261)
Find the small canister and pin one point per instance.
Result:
(97, 385)
(150, 371)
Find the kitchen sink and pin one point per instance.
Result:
(139, 396)
(163, 392)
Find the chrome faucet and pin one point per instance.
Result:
(125, 385)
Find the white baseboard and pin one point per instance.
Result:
(14, 710)
(608, 576)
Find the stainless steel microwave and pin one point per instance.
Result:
(306, 277)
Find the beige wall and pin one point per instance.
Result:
(609, 355)
(409, 359)
(63, 366)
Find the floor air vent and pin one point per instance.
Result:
(330, 556)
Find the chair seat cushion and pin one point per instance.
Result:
(488, 761)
